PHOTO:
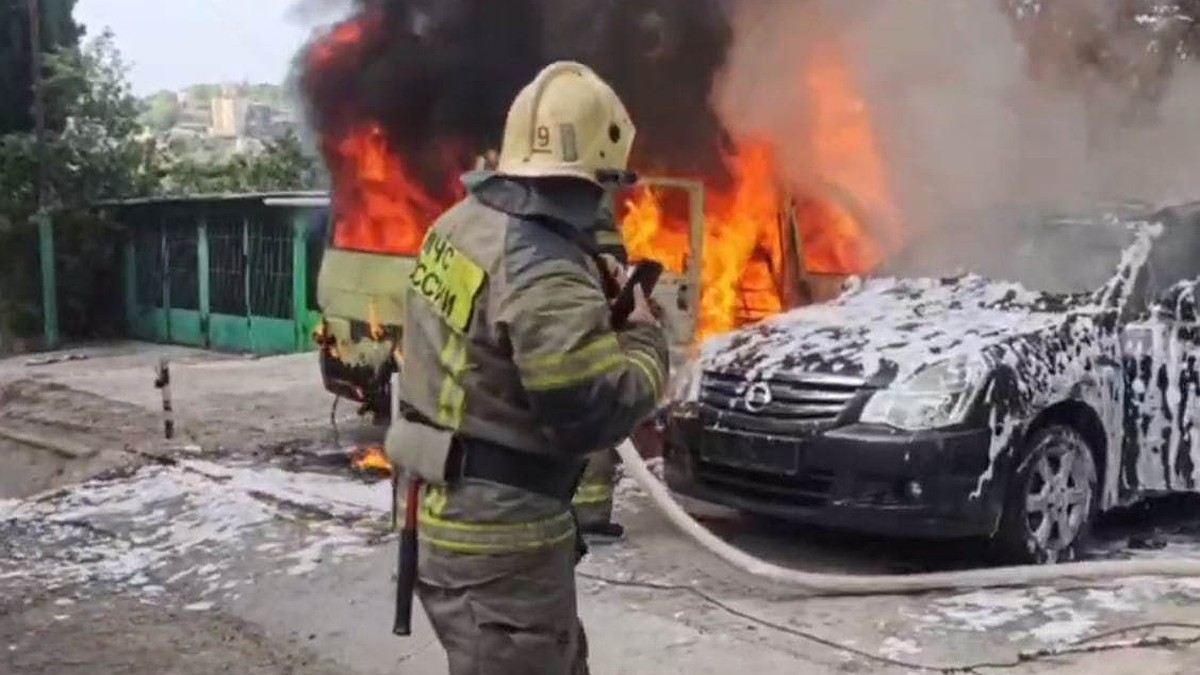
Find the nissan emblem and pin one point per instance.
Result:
(757, 397)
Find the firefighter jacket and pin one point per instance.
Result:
(593, 502)
(608, 235)
(508, 339)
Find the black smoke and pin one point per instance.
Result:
(438, 75)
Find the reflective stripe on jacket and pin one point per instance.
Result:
(508, 339)
(593, 501)
(472, 537)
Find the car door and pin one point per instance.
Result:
(1162, 395)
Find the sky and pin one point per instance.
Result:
(173, 43)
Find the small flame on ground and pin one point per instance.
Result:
(373, 322)
(370, 458)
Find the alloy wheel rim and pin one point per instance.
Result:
(1057, 501)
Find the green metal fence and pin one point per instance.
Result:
(234, 273)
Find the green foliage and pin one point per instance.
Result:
(94, 155)
(282, 165)
(98, 152)
(203, 92)
(160, 111)
(58, 31)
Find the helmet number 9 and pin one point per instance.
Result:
(543, 137)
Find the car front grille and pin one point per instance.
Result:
(784, 404)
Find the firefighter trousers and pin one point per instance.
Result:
(510, 614)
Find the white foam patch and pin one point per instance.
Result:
(897, 648)
(908, 322)
(192, 523)
(1048, 616)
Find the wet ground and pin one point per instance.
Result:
(250, 545)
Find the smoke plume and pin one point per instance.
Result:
(974, 104)
(978, 104)
(438, 75)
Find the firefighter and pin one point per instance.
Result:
(514, 374)
(593, 502)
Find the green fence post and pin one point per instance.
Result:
(246, 297)
(129, 279)
(203, 278)
(300, 278)
(49, 279)
(165, 256)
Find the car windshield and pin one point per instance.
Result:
(1053, 255)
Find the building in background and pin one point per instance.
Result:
(229, 112)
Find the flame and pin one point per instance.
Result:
(379, 204)
(745, 253)
(385, 199)
(741, 241)
(846, 151)
(376, 329)
(342, 36)
(370, 458)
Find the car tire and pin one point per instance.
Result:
(1051, 499)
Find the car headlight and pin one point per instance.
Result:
(939, 395)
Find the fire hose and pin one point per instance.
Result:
(820, 584)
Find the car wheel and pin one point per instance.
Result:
(1051, 499)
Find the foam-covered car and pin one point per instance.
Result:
(928, 402)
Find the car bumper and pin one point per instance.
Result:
(854, 478)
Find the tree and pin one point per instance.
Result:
(95, 154)
(203, 92)
(282, 165)
(58, 31)
(96, 151)
(161, 111)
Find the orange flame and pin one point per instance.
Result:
(741, 241)
(370, 458)
(376, 329)
(844, 145)
(844, 211)
(745, 254)
(328, 48)
(379, 205)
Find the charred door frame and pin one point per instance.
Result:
(692, 277)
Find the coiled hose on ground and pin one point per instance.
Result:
(892, 584)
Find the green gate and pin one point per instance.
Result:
(230, 273)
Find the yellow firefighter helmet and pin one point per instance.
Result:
(568, 122)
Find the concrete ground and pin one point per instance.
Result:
(247, 544)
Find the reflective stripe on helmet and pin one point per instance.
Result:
(566, 122)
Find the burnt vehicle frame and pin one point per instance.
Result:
(770, 419)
